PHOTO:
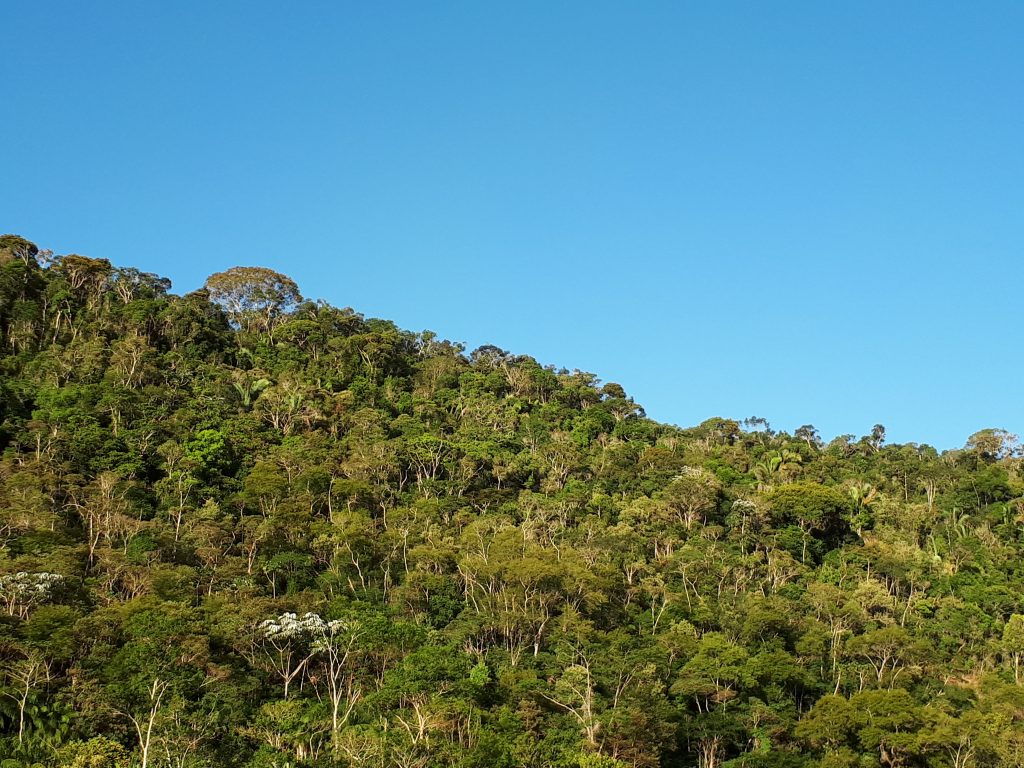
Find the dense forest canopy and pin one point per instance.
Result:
(243, 529)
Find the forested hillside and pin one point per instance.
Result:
(242, 529)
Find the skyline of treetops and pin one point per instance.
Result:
(244, 529)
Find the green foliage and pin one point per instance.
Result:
(97, 752)
(239, 529)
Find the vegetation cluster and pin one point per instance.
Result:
(243, 529)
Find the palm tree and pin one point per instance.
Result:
(248, 389)
(782, 465)
(862, 494)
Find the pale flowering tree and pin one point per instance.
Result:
(21, 592)
(293, 642)
(288, 643)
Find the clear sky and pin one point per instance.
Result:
(807, 211)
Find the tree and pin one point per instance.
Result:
(144, 721)
(290, 642)
(816, 510)
(712, 677)
(692, 495)
(993, 444)
(21, 592)
(15, 247)
(254, 298)
(889, 652)
(1013, 643)
(809, 434)
(336, 643)
(776, 465)
(27, 674)
(157, 671)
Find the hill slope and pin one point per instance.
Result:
(241, 529)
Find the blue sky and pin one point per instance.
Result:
(806, 211)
